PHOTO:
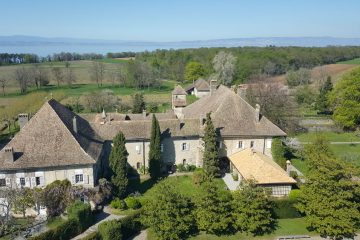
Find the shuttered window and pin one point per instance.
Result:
(2, 182)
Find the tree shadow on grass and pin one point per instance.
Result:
(141, 186)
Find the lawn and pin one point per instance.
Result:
(54, 222)
(330, 136)
(295, 226)
(355, 61)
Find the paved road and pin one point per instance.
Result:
(101, 217)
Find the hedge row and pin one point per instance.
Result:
(79, 219)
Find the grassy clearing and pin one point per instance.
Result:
(294, 226)
(330, 136)
(54, 222)
(355, 61)
(113, 60)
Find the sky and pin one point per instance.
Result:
(179, 20)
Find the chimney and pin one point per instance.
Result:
(213, 86)
(257, 113)
(103, 114)
(9, 154)
(75, 125)
(144, 113)
(288, 167)
(241, 91)
(23, 119)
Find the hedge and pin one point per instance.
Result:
(92, 236)
(110, 230)
(285, 208)
(79, 219)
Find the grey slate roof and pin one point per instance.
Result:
(48, 140)
(231, 114)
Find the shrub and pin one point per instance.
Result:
(181, 168)
(132, 202)
(110, 230)
(235, 177)
(294, 194)
(92, 236)
(130, 225)
(285, 208)
(199, 176)
(117, 203)
(81, 212)
(66, 230)
(191, 168)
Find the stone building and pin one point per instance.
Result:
(200, 88)
(59, 144)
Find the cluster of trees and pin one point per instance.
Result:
(56, 197)
(171, 64)
(120, 54)
(16, 58)
(330, 196)
(172, 215)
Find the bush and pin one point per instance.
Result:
(235, 177)
(199, 176)
(118, 204)
(81, 212)
(285, 208)
(294, 194)
(185, 168)
(92, 236)
(66, 230)
(131, 225)
(110, 230)
(132, 202)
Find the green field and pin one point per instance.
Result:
(355, 61)
(330, 136)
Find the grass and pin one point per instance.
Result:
(347, 152)
(353, 61)
(54, 222)
(330, 136)
(300, 165)
(112, 60)
(295, 226)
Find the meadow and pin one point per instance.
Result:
(355, 61)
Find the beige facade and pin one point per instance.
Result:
(200, 94)
(232, 145)
(77, 175)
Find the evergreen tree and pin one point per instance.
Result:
(322, 100)
(118, 164)
(168, 213)
(138, 103)
(253, 211)
(211, 162)
(155, 151)
(330, 198)
(213, 209)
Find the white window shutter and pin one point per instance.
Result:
(73, 179)
(33, 181)
(27, 182)
(42, 181)
(188, 146)
(8, 182)
(18, 182)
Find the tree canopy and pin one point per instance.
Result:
(345, 100)
(193, 71)
(211, 163)
(155, 149)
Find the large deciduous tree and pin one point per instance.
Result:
(253, 210)
(211, 163)
(224, 66)
(56, 197)
(118, 164)
(193, 71)
(168, 213)
(330, 197)
(155, 149)
(345, 100)
(97, 72)
(213, 209)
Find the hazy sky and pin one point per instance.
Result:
(170, 20)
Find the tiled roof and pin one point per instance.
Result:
(259, 167)
(48, 140)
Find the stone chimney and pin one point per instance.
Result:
(288, 167)
(23, 119)
(257, 113)
(144, 113)
(241, 91)
(213, 86)
(75, 127)
(9, 154)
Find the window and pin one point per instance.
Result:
(268, 143)
(22, 181)
(2, 182)
(252, 144)
(184, 146)
(240, 144)
(161, 147)
(79, 178)
(37, 181)
(138, 165)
